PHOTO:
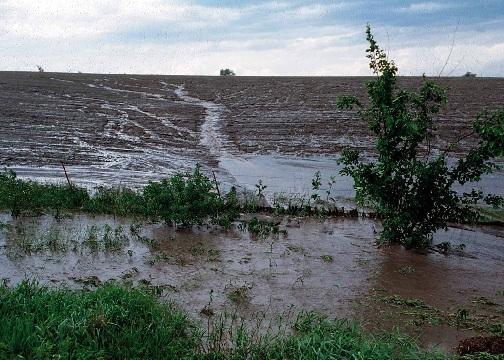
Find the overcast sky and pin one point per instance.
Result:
(295, 37)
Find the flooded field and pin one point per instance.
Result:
(126, 130)
(329, 265)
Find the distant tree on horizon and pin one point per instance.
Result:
(469, 74)
(227, 72)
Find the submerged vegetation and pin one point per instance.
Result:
(262, 228)
(410, 185)
(116, 322)
(417, 313)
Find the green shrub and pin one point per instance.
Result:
(186, 199)
(410, 186)
(24, 195)
(182, 199)
(117, 201)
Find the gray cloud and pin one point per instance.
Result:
(265, 38)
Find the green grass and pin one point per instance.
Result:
(182, 199)
(489, 214)
(111, 322)
(116, 322)
(319, 338)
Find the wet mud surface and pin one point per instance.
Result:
(299, 115)
(329, 265)
(102, 128)
(128, 129)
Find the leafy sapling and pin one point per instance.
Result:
(410, 186)
(316, 183)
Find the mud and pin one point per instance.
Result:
(103, 128)
(491, 344)
(129, 129)
(332, 266)
(299, 115)
(448, 283)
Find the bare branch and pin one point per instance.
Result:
(451, 49)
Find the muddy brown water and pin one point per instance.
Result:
(329, 265)
(446, 282)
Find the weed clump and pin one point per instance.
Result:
(406, 270)
(182, 200)
(239, 295)
(189, 200)
(262, 229)
(107, 238)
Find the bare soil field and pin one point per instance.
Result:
(128, 126)
(299, 115)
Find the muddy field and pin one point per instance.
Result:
(127, 129)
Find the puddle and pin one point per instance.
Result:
(330, 266)
(289, 174)
(277, 272)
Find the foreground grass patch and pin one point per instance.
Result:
(115, 322)
(110, 322)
